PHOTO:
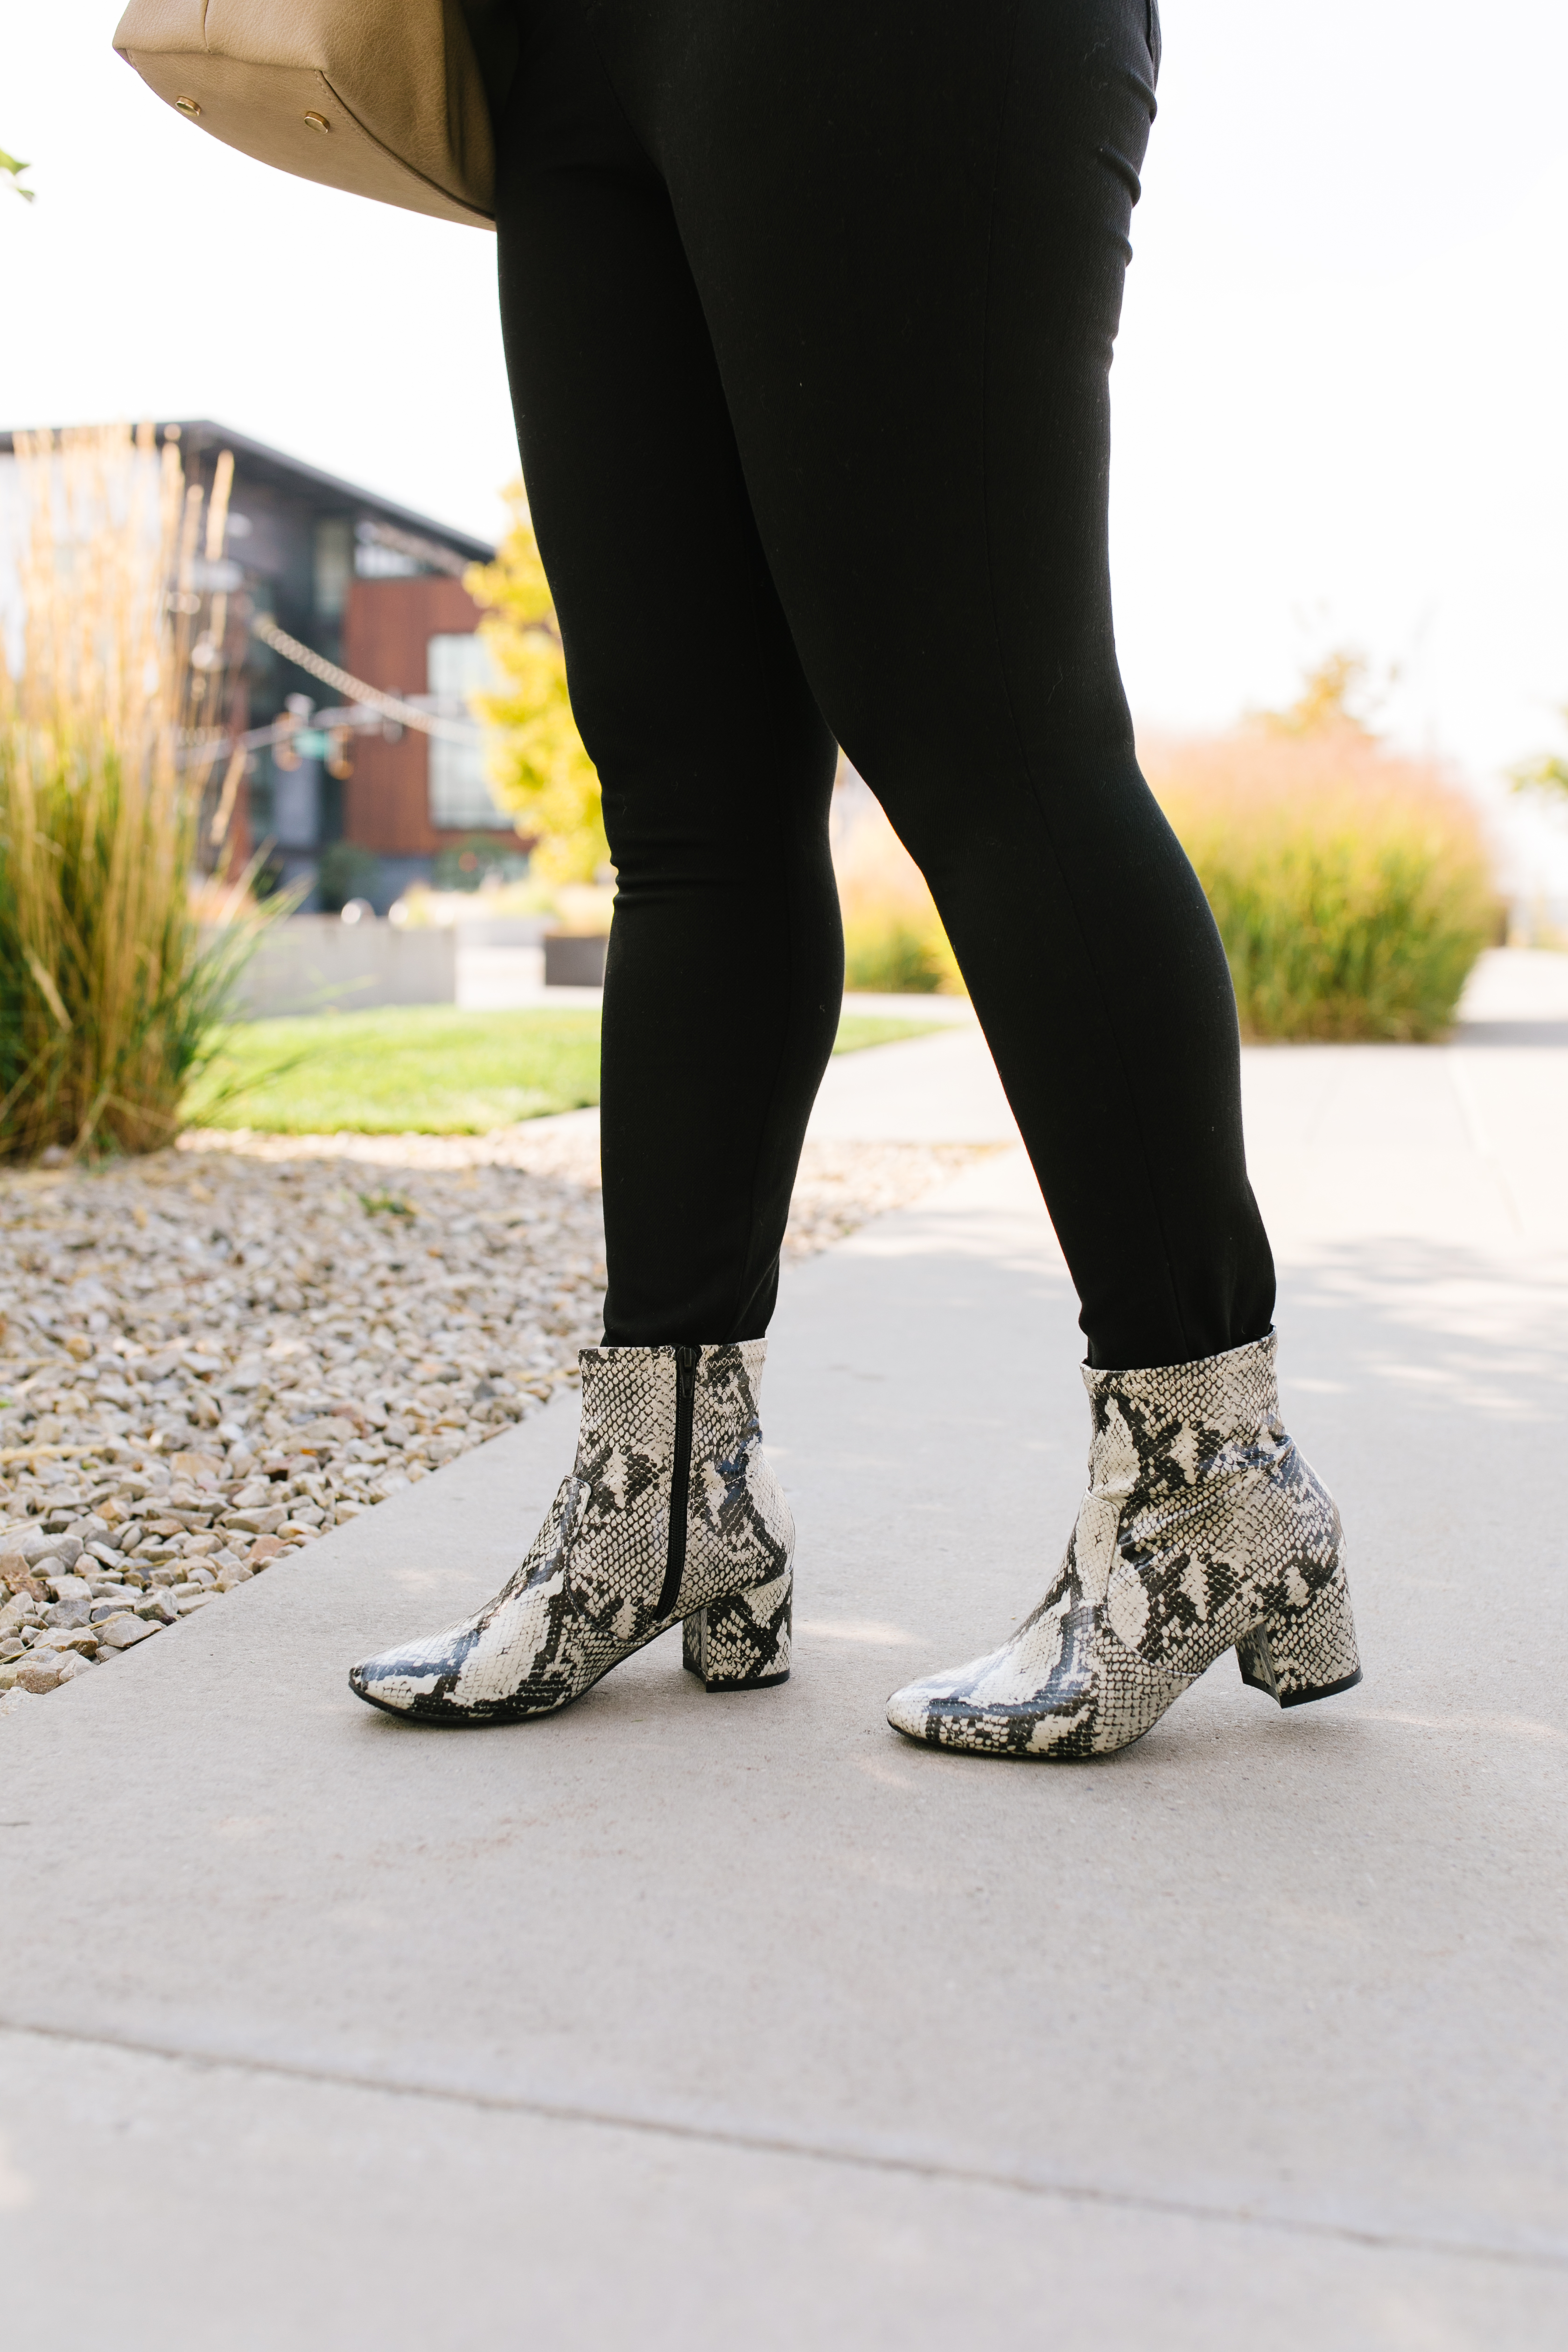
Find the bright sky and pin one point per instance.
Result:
(1339, 390)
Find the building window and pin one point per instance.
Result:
(460, 797)
(334, 566)
(373, 562)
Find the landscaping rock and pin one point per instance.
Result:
(41, 1551)
(124, 1632)
(70, 1611)
(197, 1465)
(39, 1674)
(256, 1522)
(65, 1586)
(68, 1637)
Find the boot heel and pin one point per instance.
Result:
(742, 1644)
(1298, 1654)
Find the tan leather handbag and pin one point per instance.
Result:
(381, 96)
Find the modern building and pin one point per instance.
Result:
(378, 591)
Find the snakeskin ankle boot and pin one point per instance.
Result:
(1203, 1530)
(671, 1513)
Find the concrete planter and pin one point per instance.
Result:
(571, 962)
(317, 963)
(502, 930)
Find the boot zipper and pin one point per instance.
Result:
(685, 1363)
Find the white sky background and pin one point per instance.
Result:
(1338, 392)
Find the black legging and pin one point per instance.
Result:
(809, 308)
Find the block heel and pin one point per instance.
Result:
(1300, 1654)
(742, 1644)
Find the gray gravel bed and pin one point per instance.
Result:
(210, 1356)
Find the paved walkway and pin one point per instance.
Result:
(691, 2021)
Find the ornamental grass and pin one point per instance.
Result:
(1352, 889)
(108, 997)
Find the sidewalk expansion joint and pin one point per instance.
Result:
(862, 2159)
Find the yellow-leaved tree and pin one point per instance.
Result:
(536, 761)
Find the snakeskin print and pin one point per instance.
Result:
(744, 1644)
(737, 1513)
(587, 1595)
(1203, 1530)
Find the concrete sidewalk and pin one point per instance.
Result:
(694, 2020)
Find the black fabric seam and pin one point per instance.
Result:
(1035, 793)
(757, 556)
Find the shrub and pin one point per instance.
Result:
(345, 871)
(888, 954)
(1352, 889)
(478, 860)
(893, 937)
(108, 999)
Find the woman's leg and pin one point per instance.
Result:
(907, 225)
(726, 961)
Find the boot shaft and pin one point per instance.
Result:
(1201, 1514)
(669, 1450)
(1172, 1427)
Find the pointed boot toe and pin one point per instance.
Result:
(1203, 1530)
(411, 1680)
(920, 1708)
(1029, 1698)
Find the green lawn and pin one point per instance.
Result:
(857, 1029)
(426, 1068)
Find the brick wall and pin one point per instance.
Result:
(386, 800)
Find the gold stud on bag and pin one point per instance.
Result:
(381, 97)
